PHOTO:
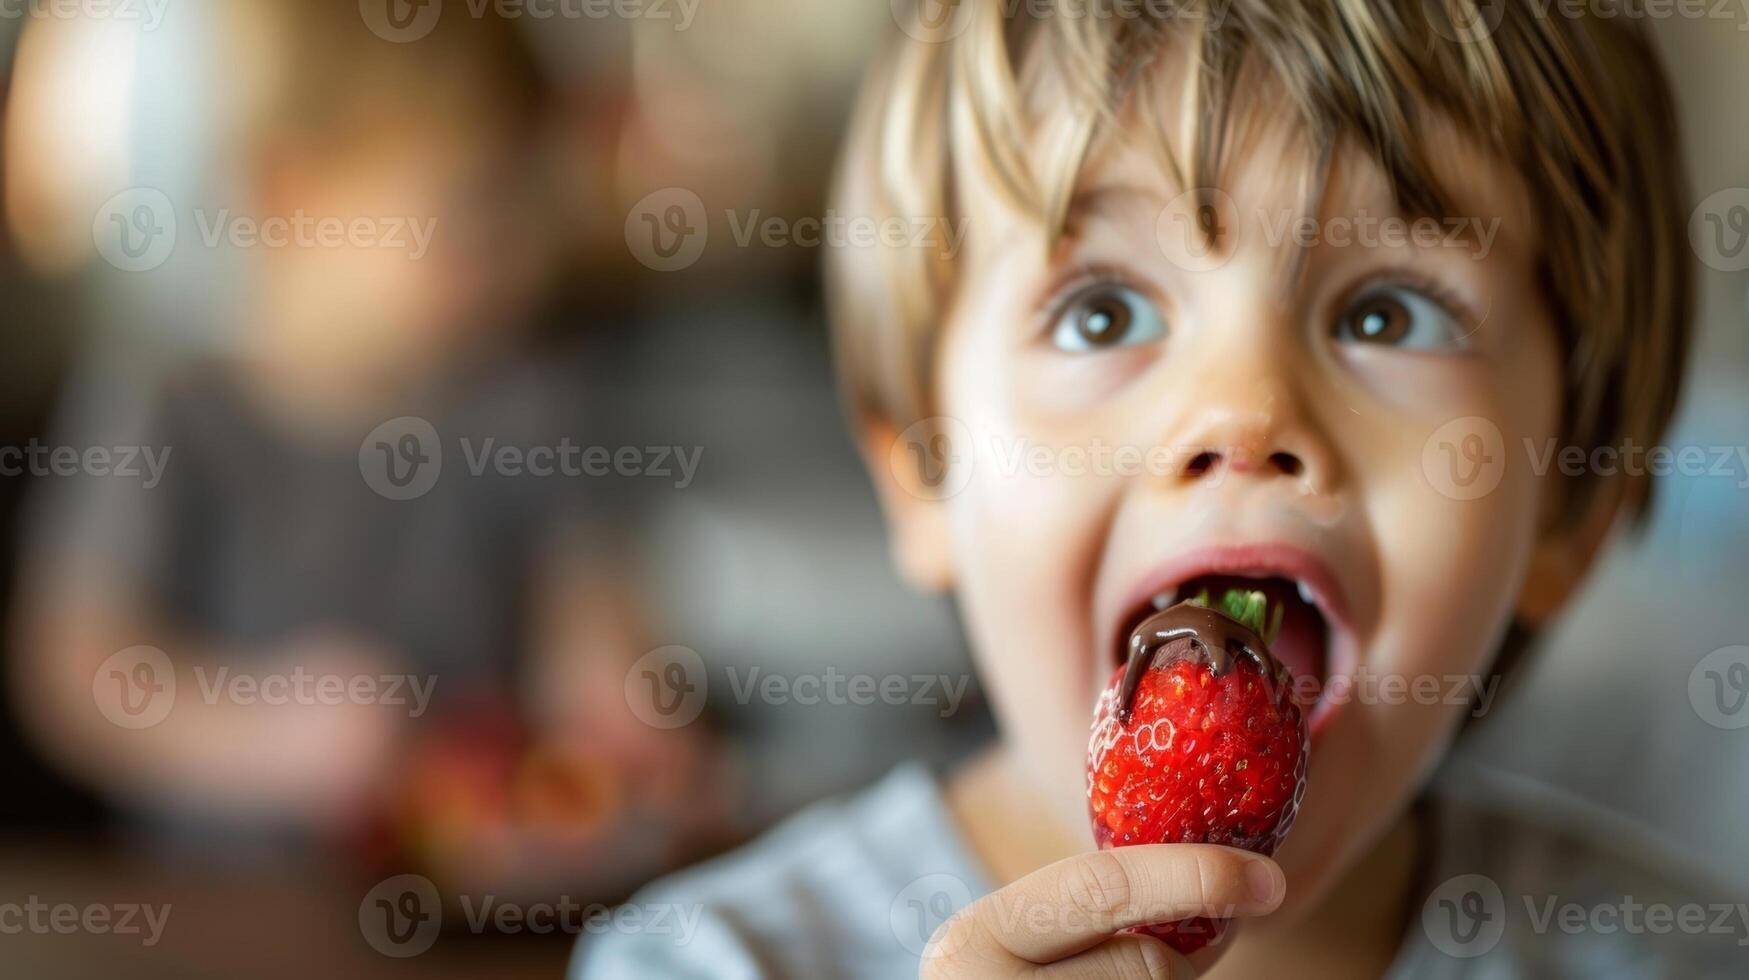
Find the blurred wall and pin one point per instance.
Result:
(1614, 678)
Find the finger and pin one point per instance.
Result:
(1079, 902)
(1124, 957)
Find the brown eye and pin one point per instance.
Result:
(1105, 316)
(1401, 317)
(1381, 320)
(1104, 321)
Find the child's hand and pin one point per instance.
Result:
(1062, 920)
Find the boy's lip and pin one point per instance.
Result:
(1321, 583)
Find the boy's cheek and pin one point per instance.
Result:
(1411, 391)
(1451, 569)
(1026, 546)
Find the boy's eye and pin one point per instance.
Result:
(1398, 316)
(1104, 316)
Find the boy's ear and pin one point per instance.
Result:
(917, 533)
(1566, 553)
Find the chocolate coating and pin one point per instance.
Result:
(1216, 634)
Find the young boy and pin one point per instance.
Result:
(1196, 228)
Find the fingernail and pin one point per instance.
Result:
(1264, 881)
(1158, 959)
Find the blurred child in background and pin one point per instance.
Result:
(482, 607)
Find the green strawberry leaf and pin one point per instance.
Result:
(1248, 607)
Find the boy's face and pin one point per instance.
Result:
(1142, 414)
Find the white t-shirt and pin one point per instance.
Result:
(855, 887)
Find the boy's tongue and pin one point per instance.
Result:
(1298, 643)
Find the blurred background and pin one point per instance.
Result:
(255, 250)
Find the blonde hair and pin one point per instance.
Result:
(1578, 106)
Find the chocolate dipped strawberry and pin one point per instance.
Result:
(1198, 739)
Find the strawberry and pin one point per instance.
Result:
(1198, 739)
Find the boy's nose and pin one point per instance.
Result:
(1265, 436)
(1280, 461)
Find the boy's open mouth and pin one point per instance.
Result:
(1302, 645)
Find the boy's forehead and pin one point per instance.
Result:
(1269, 165)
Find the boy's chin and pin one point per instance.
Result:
(1317, 857)
(1057, 792)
